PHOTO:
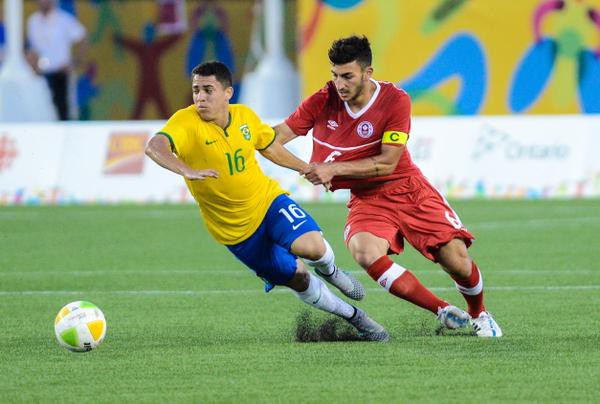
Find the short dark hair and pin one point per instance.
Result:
(349, 49)
(214, 68)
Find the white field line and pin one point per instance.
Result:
(259, 290)
(537, 222)
(170, 214)
(133, 214)
(245, 272)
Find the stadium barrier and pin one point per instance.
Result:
(464, 157)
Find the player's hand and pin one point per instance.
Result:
(319, 174)
(194, 175)
(305, 170)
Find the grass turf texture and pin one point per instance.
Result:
(187, 322)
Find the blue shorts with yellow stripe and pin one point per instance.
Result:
(267, 251)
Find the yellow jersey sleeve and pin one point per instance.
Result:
(179, 130)
(262, 134)
(266, 136)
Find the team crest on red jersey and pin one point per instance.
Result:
(365, 129)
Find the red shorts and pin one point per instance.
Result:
(409, 208)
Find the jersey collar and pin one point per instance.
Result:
(366, 107)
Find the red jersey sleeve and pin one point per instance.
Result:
(397, 128)
(400, 113)
(302, 120)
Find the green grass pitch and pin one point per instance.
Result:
(188, 323)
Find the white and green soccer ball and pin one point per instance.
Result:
(80, 326)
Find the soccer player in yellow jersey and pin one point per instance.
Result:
(212, 144)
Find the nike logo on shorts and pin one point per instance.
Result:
(295, 226)
(209, 141)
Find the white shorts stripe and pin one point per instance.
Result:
(388, 277)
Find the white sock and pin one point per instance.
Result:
(318, 295)
(325, 264)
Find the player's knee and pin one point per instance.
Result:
(365, 257)
(455, 258)
(459, 269)
(367, 248)
(309, 246)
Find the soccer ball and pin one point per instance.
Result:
(80, 326)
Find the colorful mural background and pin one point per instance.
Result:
(141, 52)
(465, 57)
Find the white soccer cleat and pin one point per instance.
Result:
(452, 317)
(368, 329)
(485, 326)
(345, 282)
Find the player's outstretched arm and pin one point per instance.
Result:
(159, 150)
(374, 166)
(281, 156)
(284, 133)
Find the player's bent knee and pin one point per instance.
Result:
(309, 246)
(455, 259)
(365, 258)
(367, 248)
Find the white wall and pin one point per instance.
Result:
(499, 157)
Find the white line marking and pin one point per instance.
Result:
(259, 290)
(539, 222)
(245, 272)
(233, 272)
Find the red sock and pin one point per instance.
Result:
(402, 283)
(472, 291)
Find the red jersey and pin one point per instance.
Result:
(342, 135)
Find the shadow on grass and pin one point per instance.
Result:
(445, 332)
(310, 329)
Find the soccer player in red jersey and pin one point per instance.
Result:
(360, 130)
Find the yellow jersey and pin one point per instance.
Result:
(233, 205)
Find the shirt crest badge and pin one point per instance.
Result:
(245, 131)
(365, 129)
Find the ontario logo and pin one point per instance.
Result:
(246, 131)
(8, 151)
(125, 153)
(496, 142)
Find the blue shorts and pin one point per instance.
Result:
(267, 251)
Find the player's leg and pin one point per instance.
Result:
(436, 231)
(455, 260)
(294, 229)
(318, 254)
(312, 291)
(276, 265)
(370, 252)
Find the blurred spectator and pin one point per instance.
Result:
(51, 33)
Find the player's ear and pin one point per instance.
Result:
(369, 71)
(229, 93)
